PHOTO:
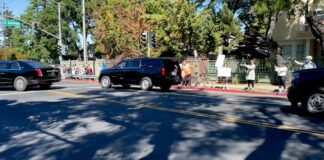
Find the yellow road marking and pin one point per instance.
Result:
(287, 127)
(197, 114)
(100, 99)
(69, 94)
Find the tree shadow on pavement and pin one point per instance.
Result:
(86, 128)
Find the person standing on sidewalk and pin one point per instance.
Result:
(282, 76)
(250, 76)
(308, 63)
(186, 72)
(224, 73)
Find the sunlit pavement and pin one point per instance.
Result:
(76, 120)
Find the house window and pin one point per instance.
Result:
(300, 51)
(287, 51)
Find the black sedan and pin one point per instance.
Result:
(23, 74)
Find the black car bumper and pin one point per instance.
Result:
(294, 95)
(44, 80)
(165, 80)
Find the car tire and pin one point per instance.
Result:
(126, 86)
(165, 87)
(105, 82)
(146, 84)
(315, 103)
(20, 83)
(45, 86)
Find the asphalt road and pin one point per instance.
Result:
(77, 120)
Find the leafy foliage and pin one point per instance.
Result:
(37, 45)
(118, 26)
(183, 27)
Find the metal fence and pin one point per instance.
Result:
(265, 72)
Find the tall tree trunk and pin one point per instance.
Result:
(317, 28)
(274, 47)
(272, 25)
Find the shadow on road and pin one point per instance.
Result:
(35, 88)
(74, 128)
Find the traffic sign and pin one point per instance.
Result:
(10, 23)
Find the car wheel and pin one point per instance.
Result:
(105, 82)
(126, 86)
(146, 84)
(45, 86)
(165, 87)
(20, 83)
(315, 103)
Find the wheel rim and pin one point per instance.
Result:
(105, 82)
(20, 84)
(315, 103)
(145, 84)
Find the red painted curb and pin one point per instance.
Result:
(196, 88)
(81, 80)
(230, 91)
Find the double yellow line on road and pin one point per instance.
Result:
(196, 114)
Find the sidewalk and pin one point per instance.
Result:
(259, 88)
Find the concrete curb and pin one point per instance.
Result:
(199, 88)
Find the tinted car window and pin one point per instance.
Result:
(121, 65)
(169, 64)
(36, 64)
(133, 64)
(4, 65)
(151, 63)
(14, 66)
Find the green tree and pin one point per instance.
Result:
(40, 46)
(118, 26)
(182, 26)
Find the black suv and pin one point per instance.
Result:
(146, 72)
(22, 74)
(307, 87)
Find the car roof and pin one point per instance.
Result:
(146, 58)
(311, 70)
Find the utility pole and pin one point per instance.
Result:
(3, 31)
(84, 34)
(60, 34)
(148, 44)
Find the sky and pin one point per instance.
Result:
(17, 6)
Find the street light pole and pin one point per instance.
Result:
(59, 22)
(84, 34)
(60, 35)
(5, 56)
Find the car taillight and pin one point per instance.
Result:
(163, 71)
(39, 72)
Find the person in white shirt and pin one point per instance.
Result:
(282, 76)
(224, 73)
(250, 76)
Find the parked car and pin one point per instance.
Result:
(146, 72)
(307, 87)
(23, 74)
